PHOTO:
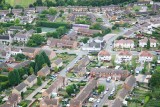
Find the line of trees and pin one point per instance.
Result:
(80, 2)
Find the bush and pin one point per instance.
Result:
(3, 78)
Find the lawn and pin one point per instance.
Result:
(24, 3)
(38, 95)
(35, 104)
(27, 93)
(136, 8)
(70, 74)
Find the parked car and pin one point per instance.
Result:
(98, 101)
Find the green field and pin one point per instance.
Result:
(24, 3)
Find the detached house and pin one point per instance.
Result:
(3, 13)
(6, 39)
(104, 56)
(87, 32)
(143, 42)
(124, 43)
(31, 80)
(44, 71)
(145, 56)
(51, 54)
(123, 56)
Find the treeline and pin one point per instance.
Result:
(49, 3)
(52, 24)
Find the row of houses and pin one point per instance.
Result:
(128, 86)
(124, 56)
(83, 95)
(130, 43)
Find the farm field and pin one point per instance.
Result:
(24, 3)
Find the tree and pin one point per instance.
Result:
(148, 44)
(39, 81)
(17, 21)
(154, 81)
(11, 78)
(47, 61)
(35, 40)
(17, 76)
(36, 69)
(20, 57)
(84, 40)
(39, 30)
(56, 69)
(31, 70)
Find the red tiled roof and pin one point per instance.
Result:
(146, 54)
(104, 53)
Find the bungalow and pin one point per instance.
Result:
(22, 87)
(60, 43)
(145, 56)
(123, 56)
(47, 102)
(57, 63)
(58, 83)
(31, 80)
(87, 32)
(104, 56)
(143, 42)
(12, 101)
(124, 43)
(30, 52)
(44, 71)
(116, 74)
(83, 95)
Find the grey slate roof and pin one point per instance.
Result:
(22, 64)
(116, 103)
(58, 61)
(31, 78)
(21, 86)
(130, 81)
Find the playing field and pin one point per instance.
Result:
(24, 3)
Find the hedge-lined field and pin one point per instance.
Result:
(24, 3)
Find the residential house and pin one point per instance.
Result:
(3, 13)
(116, 74)
(83, 95)
(58, 83)
(60, 43)
(104, 55)
(30, 52)
(6, 39)
(40, 9)
(15, 51)
(70, 36)
(94, 45)
(57, 63)
(124, 44)
(22, 87)
(143, 42)
(29, 10)
(130, 83)
(14, 29)
(80, 67)
(116, 103)
(17, 12)
(77, 8)
(145, 56)
(123, 56)
(49, 102)
(128, 86)
(22, 64)
(31, 80)
(94, 9)
(44, 71)
(77, 26)
(12, 101)
(51, 54)
(23, 36)
(87, 32)
(142, 3)
(3, 66)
